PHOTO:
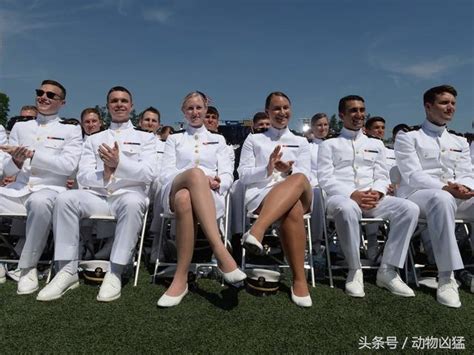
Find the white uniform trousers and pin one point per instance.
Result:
(71, 206)
(39, 209)
(237, 196)
(317, 219)
(440, 208)
(403, 217)
(156, 222)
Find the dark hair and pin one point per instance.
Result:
(430, 95)
(260, 116)
(342, 102)
(317, 117)
(151, 109)
(57, 84)
(119, 88)
(372, 120)
(29, 107)
(399, 127)
(275, 93)
(167, 128)
(88, 110)
(212, 110)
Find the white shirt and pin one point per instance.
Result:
(254, 158)
(352, 161)
(57, 148)
(429, 157)
(137, 161)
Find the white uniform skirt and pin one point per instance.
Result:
(219, 200)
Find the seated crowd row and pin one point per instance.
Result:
(190, 172)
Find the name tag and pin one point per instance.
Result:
(207, 143)
(371, 151)
(56, 138)
(290, 146)
(455, 150)
(132, 143)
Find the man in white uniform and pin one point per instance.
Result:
(115, 169)
(43, 153)
(437, 175)
(353, 173)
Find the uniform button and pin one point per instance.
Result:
(196, 137)
(196, 161)
(38, 139)
(196, 151)
(117, 131)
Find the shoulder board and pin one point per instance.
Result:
(22, 119)
(296, 133)
(260, 130)
(180, 131)
(335, 135)
(141, 129)
(374, 137)
(389, 147)
(455, 133)
(95, 132)
(73, 121)
(163, 140)
(414, 128)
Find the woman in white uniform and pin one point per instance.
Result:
(275, 166)
(196, 174)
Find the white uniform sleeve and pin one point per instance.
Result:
(10, 167)
(168, 167)
(248, 172)
(225, 166)
(381, 175)
(90, 173)
(303, 163)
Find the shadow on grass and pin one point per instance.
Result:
(227, 301)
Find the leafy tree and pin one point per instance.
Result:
(335, 125)
(4, 108)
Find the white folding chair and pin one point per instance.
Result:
(138, 254)
(196, 268)
(7, 244)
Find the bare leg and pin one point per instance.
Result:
(293, 240)
(280, 200)
(204, 209)
(184, 241)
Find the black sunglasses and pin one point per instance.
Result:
(49, 94)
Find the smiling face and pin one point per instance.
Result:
(150, 122)
(194, 109)
(119, 105)
(91, 123)
(47, 106)
(211, 121)
(377, 129)
(354, 115)
(441, 111)
(279, 111)
(320, 128)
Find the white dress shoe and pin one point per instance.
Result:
(389, 279)
(251, 244)
(58, 286)
(447, 293)
(355, 283)
(233, 277)
(28, 282)
(110, 288)
(14, 274)
(3, 274)
(166, 301)
(304, 301)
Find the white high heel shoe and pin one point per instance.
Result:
(166, 301)
(251, 244)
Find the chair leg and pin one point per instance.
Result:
(164, 222)
(310, 252)
(140, 249)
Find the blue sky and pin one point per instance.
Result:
(237, 52)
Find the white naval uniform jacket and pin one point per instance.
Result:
(137, 161)
(197, 148)
(390, 157)
(429, 157)
(57, 149)
(254, 158)
(160, 150)
(314, 147)
(3, 155)
(352, 161)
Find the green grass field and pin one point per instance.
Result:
(215, 319)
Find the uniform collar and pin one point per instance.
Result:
(347, 133)
(43, 119)
(124, 125)
(317, 140)
(275, 132)
(435, 129)
(195, 130)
